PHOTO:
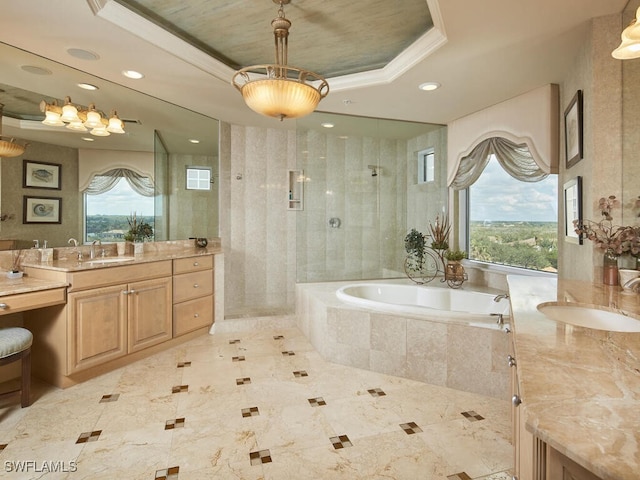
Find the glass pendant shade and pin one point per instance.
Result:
(94, 119)
(53, 119)
(280, 98)
(630, 45)
(9, 148)
(115, 125)
(77, 126)
(69, 114)
(100, 131)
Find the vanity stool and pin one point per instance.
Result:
(15, 344)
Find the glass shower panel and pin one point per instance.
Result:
(356, 194)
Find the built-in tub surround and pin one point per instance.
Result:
(580, 387)
(437, 349)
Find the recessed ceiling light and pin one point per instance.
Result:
(36, 70)
(429, 86)
(82, 54)
(132, 74)
(88, 139)
(87, 86)
(194, 140)
(327, 124)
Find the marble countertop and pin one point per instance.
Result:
(580, 387)
(26, 284)
(72, 264)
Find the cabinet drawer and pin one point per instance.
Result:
(192, 264)
(30, 300)
(191, 315)
(100, 277)
(192, 285)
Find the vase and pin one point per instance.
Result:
(610, 267)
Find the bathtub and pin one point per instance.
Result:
(473, 308)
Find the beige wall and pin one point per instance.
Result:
(599, 76)
(13, 194)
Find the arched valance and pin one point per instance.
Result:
(515, 158)
(103, 182)
(530, 121)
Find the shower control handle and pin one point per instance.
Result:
(516, 400)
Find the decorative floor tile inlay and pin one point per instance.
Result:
(176, 423)
(243, 381)
(472, 416)
(459, 476)
(3, 446)
(180, 389)
(233, 342)
(170, 473)
(110, 398)
(278, 337)
(239, 358)
(250, 412)
(259, 457)
(317, 402)
(184, 364)
(288, 353)
(300, 373)
(341, 441)
(410, 428)
(376, 392)
(89, 436)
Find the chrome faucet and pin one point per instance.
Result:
(73, 241)
(497, 298)
(632, 284)
(92, 252)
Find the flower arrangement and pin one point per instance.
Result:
(138, 231)
(607, 236)
(440, 233)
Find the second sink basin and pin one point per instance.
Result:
(102, 261)
(590, 317)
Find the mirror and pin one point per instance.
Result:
(630, 134)
(156, 142)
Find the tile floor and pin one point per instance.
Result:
(255, 405)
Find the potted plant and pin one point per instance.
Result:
(139, 232)
(455, 270)
(414, 245)
(440, 233)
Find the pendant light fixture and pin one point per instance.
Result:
(8, 146)
(279, 90)
(630, 46)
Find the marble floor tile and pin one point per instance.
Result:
(295, 417)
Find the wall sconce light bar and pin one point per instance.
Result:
(79, 119)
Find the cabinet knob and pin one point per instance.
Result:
(196, 315)
(195, 264)
(516, 400)
(511, 361)
(3, 306)
(195, 285)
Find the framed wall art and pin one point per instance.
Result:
(41, 175)
(42, 209)
(573, 130)
(572, 209)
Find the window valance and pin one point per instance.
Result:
(103, 182)
(527, 126)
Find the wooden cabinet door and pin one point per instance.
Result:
(150, 313)
(564, 468)
(97, 331)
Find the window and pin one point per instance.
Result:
(511, 222)
(107, 214)
(426, 166)
(198, 178)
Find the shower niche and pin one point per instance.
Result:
(295, 182)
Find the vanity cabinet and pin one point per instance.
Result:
(559, 466)
(192, 294)
(110, 322)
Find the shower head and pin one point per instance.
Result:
(374, 170)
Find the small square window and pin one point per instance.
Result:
(426, 166)
(198, 178)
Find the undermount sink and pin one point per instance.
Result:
(102, 261)
(589, 317)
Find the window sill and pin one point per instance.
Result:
(505, 269)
